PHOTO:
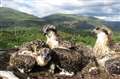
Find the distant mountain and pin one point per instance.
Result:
(115, 25)
(22, 27)
(79, 22)
(73, 21)
(7, 13)
(11, 18)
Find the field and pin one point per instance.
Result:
(14, 37)
(17, 28)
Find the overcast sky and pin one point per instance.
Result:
(103, 9)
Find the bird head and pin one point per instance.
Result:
(49, 29)
(103, 33)
(102, 29)
(43, 56)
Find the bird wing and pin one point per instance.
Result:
(115, 47)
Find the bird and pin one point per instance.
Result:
(23, 63)
(54, 40)
(28, 55)
(32, 46)
(4, 57)
(70, 58)
(107, 58)
(69, 62)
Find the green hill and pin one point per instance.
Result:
(17, 28)
(7, 13)
(73, 21)
(115, 25)
(13, 18)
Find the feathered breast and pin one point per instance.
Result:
(70, 60)
(22, 61)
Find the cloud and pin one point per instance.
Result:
(41, 8)
(109, 18)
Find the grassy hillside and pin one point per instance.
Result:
(17, 28)
(72, 17)
(13, 18)
(73, 21)
(7, 13)
(80, 22)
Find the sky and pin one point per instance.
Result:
(104, 9)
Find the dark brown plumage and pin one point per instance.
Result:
(4, 58)
(70, 60)
(33, 46)
(115, 47)
(22, 62)
(113, 66)
(30, 54)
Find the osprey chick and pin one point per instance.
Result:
(106, 57)
(69, 61)
(30, 54)
(53, 38)
(23, 63)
